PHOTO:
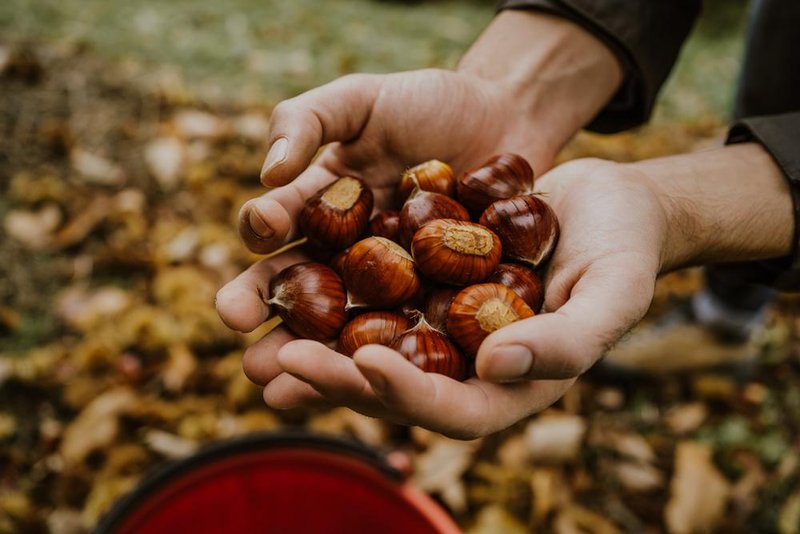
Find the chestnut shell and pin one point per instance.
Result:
(385, 224)
(437, 305)
(310, 298)
(479, 310)
(456, 252)
(337, 215)
(379, 272)
(434, 176)
(371, 327)
(523, 281)
(502, 176)
(527, 226)
(423, 207)
(431, 351)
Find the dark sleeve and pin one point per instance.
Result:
(646, 35)
(780, 136)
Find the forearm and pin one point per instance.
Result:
(556, 75)
(727, 204)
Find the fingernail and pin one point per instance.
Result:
(510, 362)
(259, 225)
(276, 155)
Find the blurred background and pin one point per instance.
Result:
(130, 135)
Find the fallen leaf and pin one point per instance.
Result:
(97, 425)
(698, 492)
(181, 365)
(169, 445)
(638, 477)
(789, 517)
(196, 124)
(65, 521)
(550, 492)
(555, 438)
(83, 308)
(686, 418)
(96, 169)
(83, 224)
(33, 229)
(440, 468)
(343, 421)
(494, 519)
(579, 520)
(164, 158)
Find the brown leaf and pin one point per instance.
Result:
(181, 365)
(579, 520)
(96, 169)
(494, 519)
(789, 518)
(440, 469)
(698, 492)
(555, 438)
(196, 124)
(638, 477)
(686, 418)
(83, 308)
(164, 157)
(97, 425)
(33, 229)
(343, 421)
(169, 445)
(83, 224)
(550, 492)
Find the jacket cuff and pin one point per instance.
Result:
(780, 136)
(646, 36)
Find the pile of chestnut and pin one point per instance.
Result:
(425, 280)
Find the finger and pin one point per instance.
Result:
(608, 300)
(267, 222)
(333, 375)
(337, 111)
(287, 392)
(463, 410)
(241, 303)
(260, 362)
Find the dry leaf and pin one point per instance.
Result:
(555, 438)
(181, 365)
(97, 425)
(343, 421)
(628, 445)
(33, 229)
(686, 418)
(550, 492)
(252, 126)
(169, 445)
(610, 398)
(494, 519)
(195, 124)
(789, 518)
(84, 223)
(83, 308)
(579, 520)
(638, 477)
(164, 158)
(440, 469)
(65, 521)
(96, 169)
(698, 492)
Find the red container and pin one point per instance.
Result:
(278, 483)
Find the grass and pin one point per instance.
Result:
(268, 50)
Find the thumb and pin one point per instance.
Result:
(604, 303)
(300, 126)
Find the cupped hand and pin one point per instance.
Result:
(373, 127)
(599, 283)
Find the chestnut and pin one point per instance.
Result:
(385, 224)
(456, 252)
(422, 207)
(310, 298)
(479, 310)
(337, 215)
(527, 227)
(379, 272)
(434, 176)
(371, 327)
(337, 261)
(503, 176)
(431, 350)
(437, 305)
(522, 281)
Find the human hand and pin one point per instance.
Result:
(599, 284)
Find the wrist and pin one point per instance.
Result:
(552, 75)
(727, 204)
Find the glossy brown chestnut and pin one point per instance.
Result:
(522, 281)
(437, 305)
(338, 260)
(423, 207)
(526, 225)
(379, 272)
(337, 215)
(310, 298)
(431, 351)
(371, 327)
(385, 224)
(434, 176)
(479, 310)
(456, 252)
(503, 176)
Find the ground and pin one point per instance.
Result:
(129, 137)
